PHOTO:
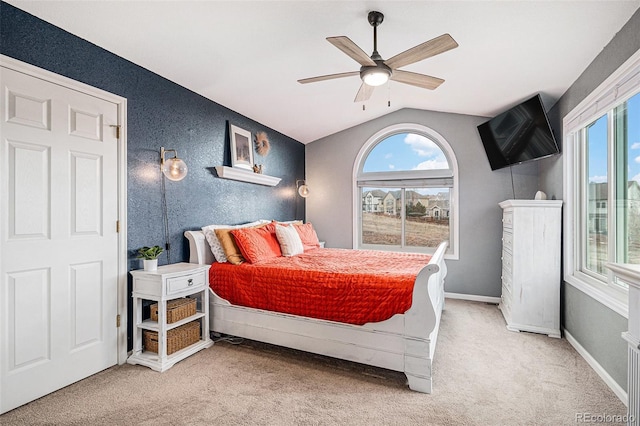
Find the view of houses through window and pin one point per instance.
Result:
(406, 187)
(426, 216)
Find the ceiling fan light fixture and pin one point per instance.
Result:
(375, 76)
(376, 71)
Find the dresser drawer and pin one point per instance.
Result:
(507, 240)
(507, 262)
(505, 304)
(191, 281)
(507, 279)
(507, 219)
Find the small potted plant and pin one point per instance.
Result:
(150, 256)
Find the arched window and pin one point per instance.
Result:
(406, 191)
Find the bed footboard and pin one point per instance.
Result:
(422, 322)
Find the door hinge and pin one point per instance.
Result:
(118, 320)
(117, 126)
(117, 226)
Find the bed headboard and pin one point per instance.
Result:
(199, 250)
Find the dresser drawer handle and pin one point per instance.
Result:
(190, 281)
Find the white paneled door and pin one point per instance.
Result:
(58, 239)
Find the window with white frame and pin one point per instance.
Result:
(406, 192)
(602, 186)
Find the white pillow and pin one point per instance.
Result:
(289, 239)
(214, 243)
(290, 222)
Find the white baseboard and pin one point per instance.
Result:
(613, 385)
(472, 297)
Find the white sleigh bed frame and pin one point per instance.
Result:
(405, 342)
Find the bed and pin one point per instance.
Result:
(405, 342)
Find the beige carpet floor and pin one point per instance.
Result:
(483, 375)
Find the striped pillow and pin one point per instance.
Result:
(289, 239)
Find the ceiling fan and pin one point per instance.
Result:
(375, 71)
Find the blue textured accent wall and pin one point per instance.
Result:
(162, 113)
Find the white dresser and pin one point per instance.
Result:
(531, 256)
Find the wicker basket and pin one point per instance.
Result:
(177, 309)
(177, 338)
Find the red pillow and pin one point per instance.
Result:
(257, 244)
(308, 236)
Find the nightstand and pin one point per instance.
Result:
(169, 282)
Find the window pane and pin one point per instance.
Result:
(381, 223)
(627, 125)
(427, 216)
(597, 232)
(405, 151)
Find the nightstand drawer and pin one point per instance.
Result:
(178, 284)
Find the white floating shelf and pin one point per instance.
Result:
(243, 175)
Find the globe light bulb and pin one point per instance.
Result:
(303, 190)
(173, 168)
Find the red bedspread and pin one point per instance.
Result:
(349, 286)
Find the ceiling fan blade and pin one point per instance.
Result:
(415, 79)
(422, 51)
(364, 93)
(350, 48)
(328, 77)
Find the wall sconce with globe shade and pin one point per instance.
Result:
(173, 168)
(303, 188)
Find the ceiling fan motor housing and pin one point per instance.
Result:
(375, 18)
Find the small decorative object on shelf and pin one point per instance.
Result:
(150, 257)
(257, 168)
(540, 195)
(262, 144)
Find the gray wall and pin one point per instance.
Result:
(598, 330)
(596, 327)
(329, 168)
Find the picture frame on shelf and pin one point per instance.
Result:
(241, 147)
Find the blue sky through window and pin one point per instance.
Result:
(598, 145)
(405, 151)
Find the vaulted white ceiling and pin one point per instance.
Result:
(248, 55)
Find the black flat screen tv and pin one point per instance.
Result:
(519, 134)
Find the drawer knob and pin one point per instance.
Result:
(190, 281)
